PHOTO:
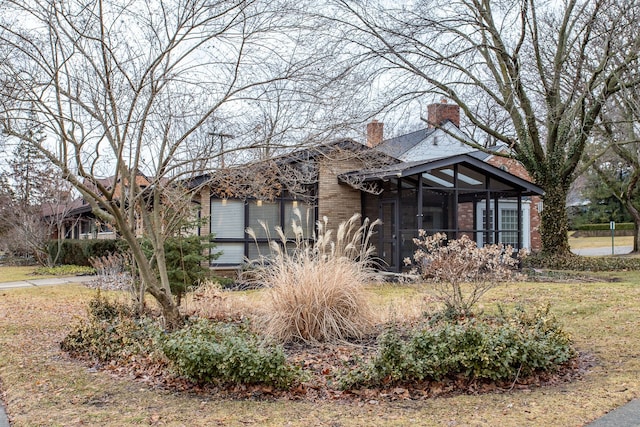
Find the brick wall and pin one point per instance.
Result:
(465, 216)
(338, 202)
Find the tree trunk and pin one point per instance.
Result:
(635, 214)
(170, 310)
(554, 222)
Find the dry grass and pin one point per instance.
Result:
(209, 300)
(316, 289)
(43, 387)
(321, 301)
(599, 242)
(16, 273)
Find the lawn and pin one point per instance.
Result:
(42, 386)
(599, 242)
(16, 273)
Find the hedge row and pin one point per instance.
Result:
(78, 252)
(600, 227)
(582, 263)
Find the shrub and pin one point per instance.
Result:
(582, 263)
(186, 261)
(504, 349)
(227, 353)
(109, 264)
(64, 270)
(316, 287)
(459, 270)
(606, 226)
(78, 252)
(111, 333)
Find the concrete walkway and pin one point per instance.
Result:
(4, 421)
(625, 416)
(604, 251)
(45, 282)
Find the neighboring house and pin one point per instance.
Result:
(423, 180)
(75, 220)
(80, 222)
(443, 138)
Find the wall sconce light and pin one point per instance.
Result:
(224, 201)
(295, 203)
(259, 202)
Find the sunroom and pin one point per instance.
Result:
(457, 195)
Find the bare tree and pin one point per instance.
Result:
(35, 203)
(130, 90)
(531, 74)
(615, 156)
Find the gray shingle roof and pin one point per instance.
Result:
(396, 147)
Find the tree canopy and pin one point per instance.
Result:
(531, 74)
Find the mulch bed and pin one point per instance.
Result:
(323, 362)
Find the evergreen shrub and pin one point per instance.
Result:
(78, 252)
(505, 348)
(112, 332)
(207, 351)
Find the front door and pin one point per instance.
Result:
(389, 235)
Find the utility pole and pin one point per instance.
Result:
(222, 136)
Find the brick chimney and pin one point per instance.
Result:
(375, 133)
(438, 113)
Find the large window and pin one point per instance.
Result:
(509, 221)
(227, 223)
(507, 229)
(227, 219)
(230, 218)
(264, 217)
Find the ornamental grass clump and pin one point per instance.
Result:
(459, 271)
(315, 286)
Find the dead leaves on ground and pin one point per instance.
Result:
(323, 363)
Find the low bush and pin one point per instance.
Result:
(208, 351)
(581, 263)
(112, 333)
(459, 271)
(78, 252)
(64, 270)
(505, 348)
(109, 264)
(605, 226)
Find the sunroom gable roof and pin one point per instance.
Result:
(405, 169)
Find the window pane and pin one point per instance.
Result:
(509, 221)
(227, 219)
(303, 215)
(266, 212)
(232, 253)
(261, 249)
(488, 235)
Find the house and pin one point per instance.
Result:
(77, 219)
(429, 179)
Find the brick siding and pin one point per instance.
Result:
(338, 202)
